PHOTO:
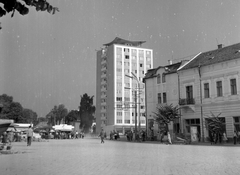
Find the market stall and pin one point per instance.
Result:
(63, 131)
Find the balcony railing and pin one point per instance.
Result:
(187, 101)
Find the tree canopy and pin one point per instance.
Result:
(72, 116)
(57, 114)
(22, 6)
(14, 111)
(215, 124)
(86, 110)
(165, 114)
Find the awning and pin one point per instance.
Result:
(63, 127)
(11, 129)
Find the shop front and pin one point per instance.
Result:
(193, 129)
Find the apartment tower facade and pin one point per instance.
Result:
(121, 66)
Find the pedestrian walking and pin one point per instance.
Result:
(131, 135)
(238, 135)
(10, 136)
(169, 138)
(105, 135)
(143, 136)
(76, 135)
(4, 138)
(115, 135)
(234, 137)
(225, 137)
(111, 135)
(101, 135)
(29, 136)
(82, 135)
(211, 135)
(162, 133)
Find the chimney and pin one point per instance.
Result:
(220, 46)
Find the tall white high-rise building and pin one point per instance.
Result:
(121, 66)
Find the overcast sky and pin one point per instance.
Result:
(48, 60)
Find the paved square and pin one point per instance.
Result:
(89, 156)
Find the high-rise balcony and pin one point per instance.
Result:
(103, 118)
(103, 75)
(186, 101)
(104, 61)
(103, 68)
(103, 82)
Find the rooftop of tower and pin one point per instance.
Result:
(124, 42)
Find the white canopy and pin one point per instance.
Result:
(63, 127)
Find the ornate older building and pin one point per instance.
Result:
(210, 83)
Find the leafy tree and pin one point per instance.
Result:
(215, 124)
(51, 116)
(72, 116)
(22, 6)
(5, 102)
(165, 114)
(41, 119)
(86, 110)
(10, 109)
(57, 114)
(28, 116)
(15, 112)
(61, 113)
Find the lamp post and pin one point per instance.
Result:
(138, 103)
(135, 108)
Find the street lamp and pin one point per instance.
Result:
(135, 106)
(138, 88)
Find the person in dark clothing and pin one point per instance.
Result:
(131, 135)
(234, 137)
(101, 135)
(220, 138)
(111, 135)
(4, 138)
(128, 138)
(215, 138)
(143, 136)
(29, 136)
(211, 138)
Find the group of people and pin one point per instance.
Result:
(236, 136)
(68, 135)
(114, 135)
(10, 136)
(217, 137)
(140, 136)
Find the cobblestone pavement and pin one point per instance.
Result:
(89, 157)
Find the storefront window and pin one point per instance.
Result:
(236, 121)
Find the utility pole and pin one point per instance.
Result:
(135, 113)
(200, 82)
(139, 114)
(137, 102)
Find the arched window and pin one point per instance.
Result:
(158, 79)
